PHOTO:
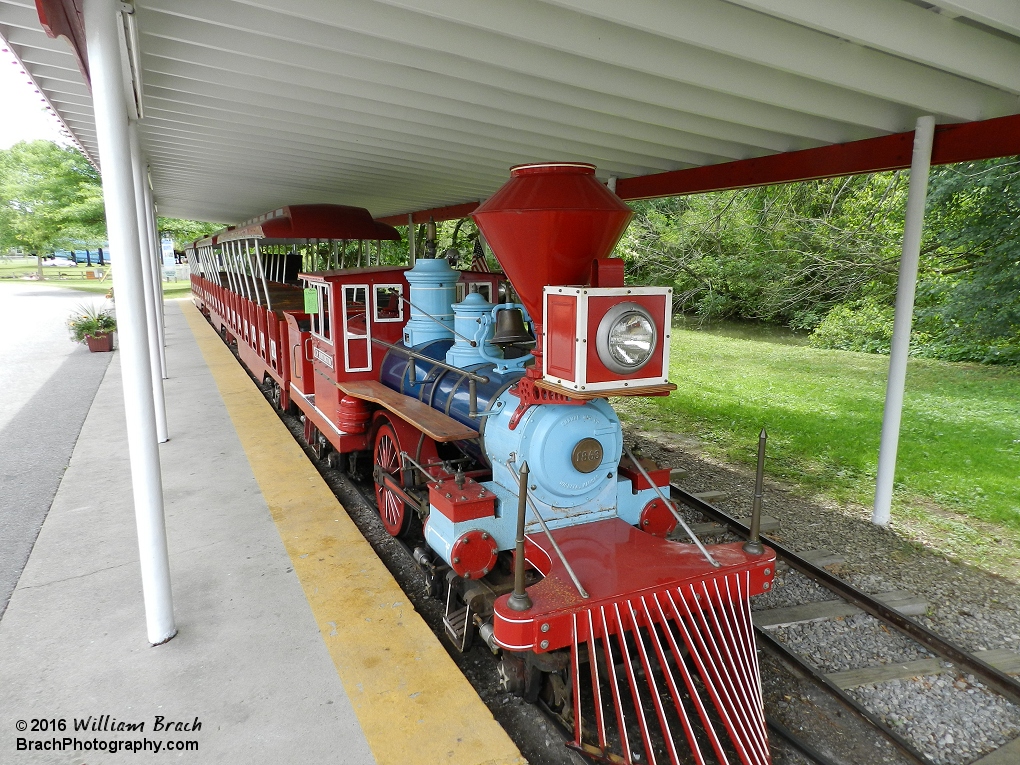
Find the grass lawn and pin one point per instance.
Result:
(73, 278)
(959, 452)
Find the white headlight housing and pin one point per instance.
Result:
(626, 338)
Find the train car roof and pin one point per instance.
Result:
(300, 223)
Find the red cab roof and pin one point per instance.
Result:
(312, 222)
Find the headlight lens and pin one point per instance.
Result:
(632, 339)
(626, 338)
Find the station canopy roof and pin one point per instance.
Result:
(406, 105)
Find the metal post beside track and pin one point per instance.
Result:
(920, 164)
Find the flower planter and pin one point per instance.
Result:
(102, 343)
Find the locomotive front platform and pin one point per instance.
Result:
(288, 650)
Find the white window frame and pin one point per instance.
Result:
(347, 334)
(400, 302)
(322, 290)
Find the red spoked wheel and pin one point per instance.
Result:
(395, 515)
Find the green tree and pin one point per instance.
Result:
(824, 255)
(50, 196)
(969, 297)
(784, 254)
(185, 231)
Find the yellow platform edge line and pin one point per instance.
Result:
(412, 701)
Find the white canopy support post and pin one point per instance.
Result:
(101, 18)
(157, 250)
(145, 248)
(917, 194)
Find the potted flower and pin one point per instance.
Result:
(93, 326)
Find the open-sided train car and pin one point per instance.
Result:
(493, 446)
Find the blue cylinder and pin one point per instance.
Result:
(469, 315)
(446, 390)
(433, 293)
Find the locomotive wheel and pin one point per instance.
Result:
(395, 515)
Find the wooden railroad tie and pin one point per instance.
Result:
(905, 602)
(1002, 659)
(1004, 755)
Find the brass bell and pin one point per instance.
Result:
(510, 328)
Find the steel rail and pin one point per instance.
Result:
(992, 677)
(844, 698)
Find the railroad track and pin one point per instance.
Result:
(890, 610)
(788, 745)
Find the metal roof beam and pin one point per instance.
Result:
(998, 14)
(271, 36)
(920, 39)
(280, 160)
(908, 31)
(194, 96)
(426, 137)
(411, 123)
(953, 143)
(829, 78)
(283, 136)
(43, 57)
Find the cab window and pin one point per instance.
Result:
(322, 326)
(389, 303)
(355, 308)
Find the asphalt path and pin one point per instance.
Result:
(48, 385)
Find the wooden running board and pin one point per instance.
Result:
(433, 423)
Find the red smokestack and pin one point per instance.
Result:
(547, 224)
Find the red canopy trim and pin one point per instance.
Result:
(63, 18)
(962, 142)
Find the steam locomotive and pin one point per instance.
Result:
(490, 439)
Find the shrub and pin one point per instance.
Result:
(866, 327)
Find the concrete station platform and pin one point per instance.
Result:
(294, 643)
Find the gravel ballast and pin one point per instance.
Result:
(836, 645)
(953, 719)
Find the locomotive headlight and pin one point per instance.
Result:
(626, 338)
